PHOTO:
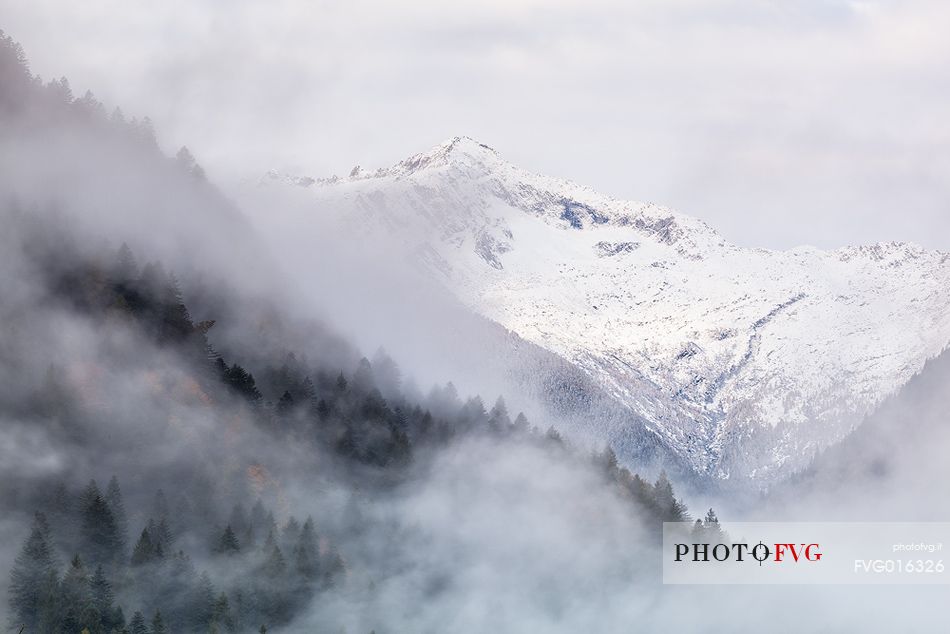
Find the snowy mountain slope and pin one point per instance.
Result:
(743, 361)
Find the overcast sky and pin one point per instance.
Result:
(823, 122)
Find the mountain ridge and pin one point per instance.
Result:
(746, 362)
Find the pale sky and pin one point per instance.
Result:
(778, 122)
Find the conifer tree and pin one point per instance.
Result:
(126, 268)
(498, 418)
(286, 403)
(711, 527)
(33, 579)
(306, 563)
(161, 534)
(102, 599)
(99, 533)
(117, 506)
(158, 624)
(88, 495)
(228, 543)
(75, 597)
(521, 423)
(202, 604)
(137, 625)
(222, 613)
(670, 509)
(291, 532)
(275, 565)
(144, 551)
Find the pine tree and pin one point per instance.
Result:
(158, 624)
(275, 565)
(670, 509)
(238, 520)
(186, 160)
(117, 506)
(144, 551)
(608, 460)
(711, 527)
(137, 625)
(242, 383)
(102, 599)
(99, 535)
(291, 532)
(118, 620)
(521, 423)
(498, 418)
(364, 379)
(387, 374)
(88, 495)
(222, 613)
(126, 269)
(306, 563)
(202, 604)
(161, 534)
(228, 543)
(333, 569)
(33, 579)
(286, 403)
(75, 597)
(259, 519)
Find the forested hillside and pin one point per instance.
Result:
(283, 482)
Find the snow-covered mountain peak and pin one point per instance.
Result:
(457, 151)
(469, 181)
(744, 362)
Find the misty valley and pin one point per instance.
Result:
(392, 417)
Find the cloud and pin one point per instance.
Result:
(815, 122)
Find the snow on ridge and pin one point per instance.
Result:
(745, 362)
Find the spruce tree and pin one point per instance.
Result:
(102, 599)
(75, 597)
(126, 269)
(498, 418)
(202, 602)
(33, 579)
(306, 554)
(228, 543)
(222, 613)
(144, 551)
(670, 509)
(99, 534)
(286, 403)
(711, 527)
(158, 624)
(275, 565)
(521, 423)
(291, 532)
(117, 506)
(137, 625)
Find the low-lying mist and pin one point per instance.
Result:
(268, 473)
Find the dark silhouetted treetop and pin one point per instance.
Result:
(228, 543)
